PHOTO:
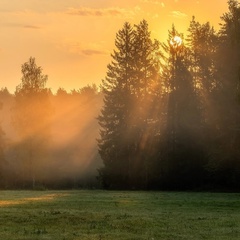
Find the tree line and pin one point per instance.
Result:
(48, 140)
(166, 116)
(170, 118)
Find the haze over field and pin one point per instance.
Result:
(55, 142)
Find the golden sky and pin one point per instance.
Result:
(72, 39)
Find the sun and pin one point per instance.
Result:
(176, 41)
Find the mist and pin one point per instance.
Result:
(167, 116)
(58, 151)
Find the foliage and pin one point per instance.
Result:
(128, 109)
(31, 114)
(225, 151)
(181, 143)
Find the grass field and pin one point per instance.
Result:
(75, 215)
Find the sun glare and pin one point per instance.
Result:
(176, 41)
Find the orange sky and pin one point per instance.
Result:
(72, 39)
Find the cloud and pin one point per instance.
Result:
(155, 2)
(31, 27)
(90, 52)
(26, 26)
(84, 49)
(177, 14)
(90, 49)
(101, 12)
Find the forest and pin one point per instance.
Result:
(166, 116)
(48, 140)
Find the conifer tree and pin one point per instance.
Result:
(114, 142)
(130, 82)
(147, 94)
(181, 153)
(226, 154)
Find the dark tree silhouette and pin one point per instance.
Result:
(181, 157)
(225, 160)
(128, 88)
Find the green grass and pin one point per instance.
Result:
(75, 215)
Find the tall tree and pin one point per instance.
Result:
(229, 50)
(147, 94)
(226, 153)
(31, 114)
(128, 89)
(203, 42)
(181, 153)
(114, 139)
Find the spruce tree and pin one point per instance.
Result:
(181, 146)
(114, 142)
(226, 154)
(147, 87)
(129, 93)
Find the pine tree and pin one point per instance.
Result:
(203, 41)
(229, 50)
(114, 142)
(129, 94)
(147, 94)
(225, 152)
(181, 153)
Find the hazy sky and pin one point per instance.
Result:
(72, 39)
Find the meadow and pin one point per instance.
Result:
(99, 215)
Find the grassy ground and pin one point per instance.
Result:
(75, 215)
